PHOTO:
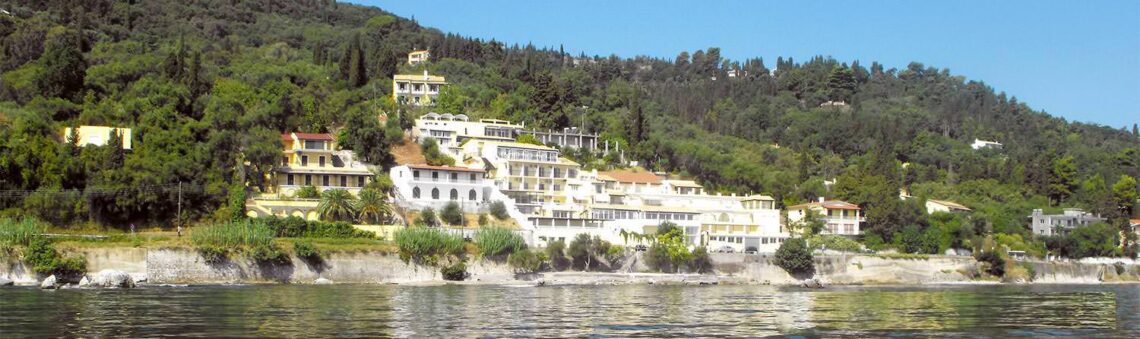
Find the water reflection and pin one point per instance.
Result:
(621, 311)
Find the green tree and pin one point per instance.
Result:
(372, 207)
(840, 84)
(1124, 194)
(581, 251)
(795, 257)
(427, 218)
(62, 66)
(556, 251)
(337, 205)
(1062, 179)
(452, 214)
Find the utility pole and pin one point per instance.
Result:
(178, 218)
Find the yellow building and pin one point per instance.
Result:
(97, 135)
(417, 90)
(311, 159)
(416, 57)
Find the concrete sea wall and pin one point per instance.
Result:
(186, 266)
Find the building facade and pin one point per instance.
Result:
(570, 137)
(420, 186)
(839, 217)
(1059, 224)
(417, 57)
(417, 90)
(311, 159)
(450, 131)
(97, 135)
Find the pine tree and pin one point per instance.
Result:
(62, 65)
(174, 67)
(193, 78)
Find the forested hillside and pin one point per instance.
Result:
(208, 86)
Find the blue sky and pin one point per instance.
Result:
(1076, 59)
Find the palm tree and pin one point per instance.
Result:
(337, 204)
(372, 207)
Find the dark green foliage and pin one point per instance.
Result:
(499, 210)
(62, 65)
(700, 262)
(993, 262)
(269, 254)
(305, 250)
(795, 257)
(581, 251)
(452, 214)
(296, 227)
(556, 251)
(454, 272)
(427, 218)
(433, 155)
(525, 261)
(44, 259)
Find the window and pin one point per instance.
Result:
(403, 86)
(308, 180)
(343, 181)
(434, 176)
(360, 181)
(418, 87)
(416, 175)
(435, 194)
(304, 160)
(454, 194)
(471, 195)
(314, 144)
(324, 180)
(454, 177)
(472, 177)
(285, 161)
(415, 192)
(321, 161)
(556, 188)
(289, 180)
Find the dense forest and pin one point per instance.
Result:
(208, 86)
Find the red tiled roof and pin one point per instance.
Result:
(1134, 222)
(633, 177)
(830, 204)
(314, 136)
(445, 168)
(950, 204)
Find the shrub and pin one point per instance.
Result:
(44, 259)
(700, 261)
(525, 261)
(484, 220)
(452, 214)
(433, 156)
(213, 254)
(295, 227)
(993, 263)
(307, 192)
(498, 242)
(556, 251)
(499, 210)
(269, 254)
(795, 257)
(834, 243)
(305, 250)
(657, 258)
(427, 245)
(427, 218)
(454, 272)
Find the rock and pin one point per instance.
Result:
(113, 279)
(48, 283)
(812, 283)
(322, 281)
(84, 282)
(6, 282)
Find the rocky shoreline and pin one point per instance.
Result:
(127, 267)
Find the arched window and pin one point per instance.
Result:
(435, 194)
(471, 195)
(415, 192)
(454, 194)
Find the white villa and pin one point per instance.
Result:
(450, 131)
(980, 144)
(97, 135)
(421, 186)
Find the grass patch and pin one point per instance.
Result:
(427, 245)
(496, 242)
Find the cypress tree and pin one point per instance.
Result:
(62, 66)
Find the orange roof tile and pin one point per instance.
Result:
(632, 177)
(830, 204)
